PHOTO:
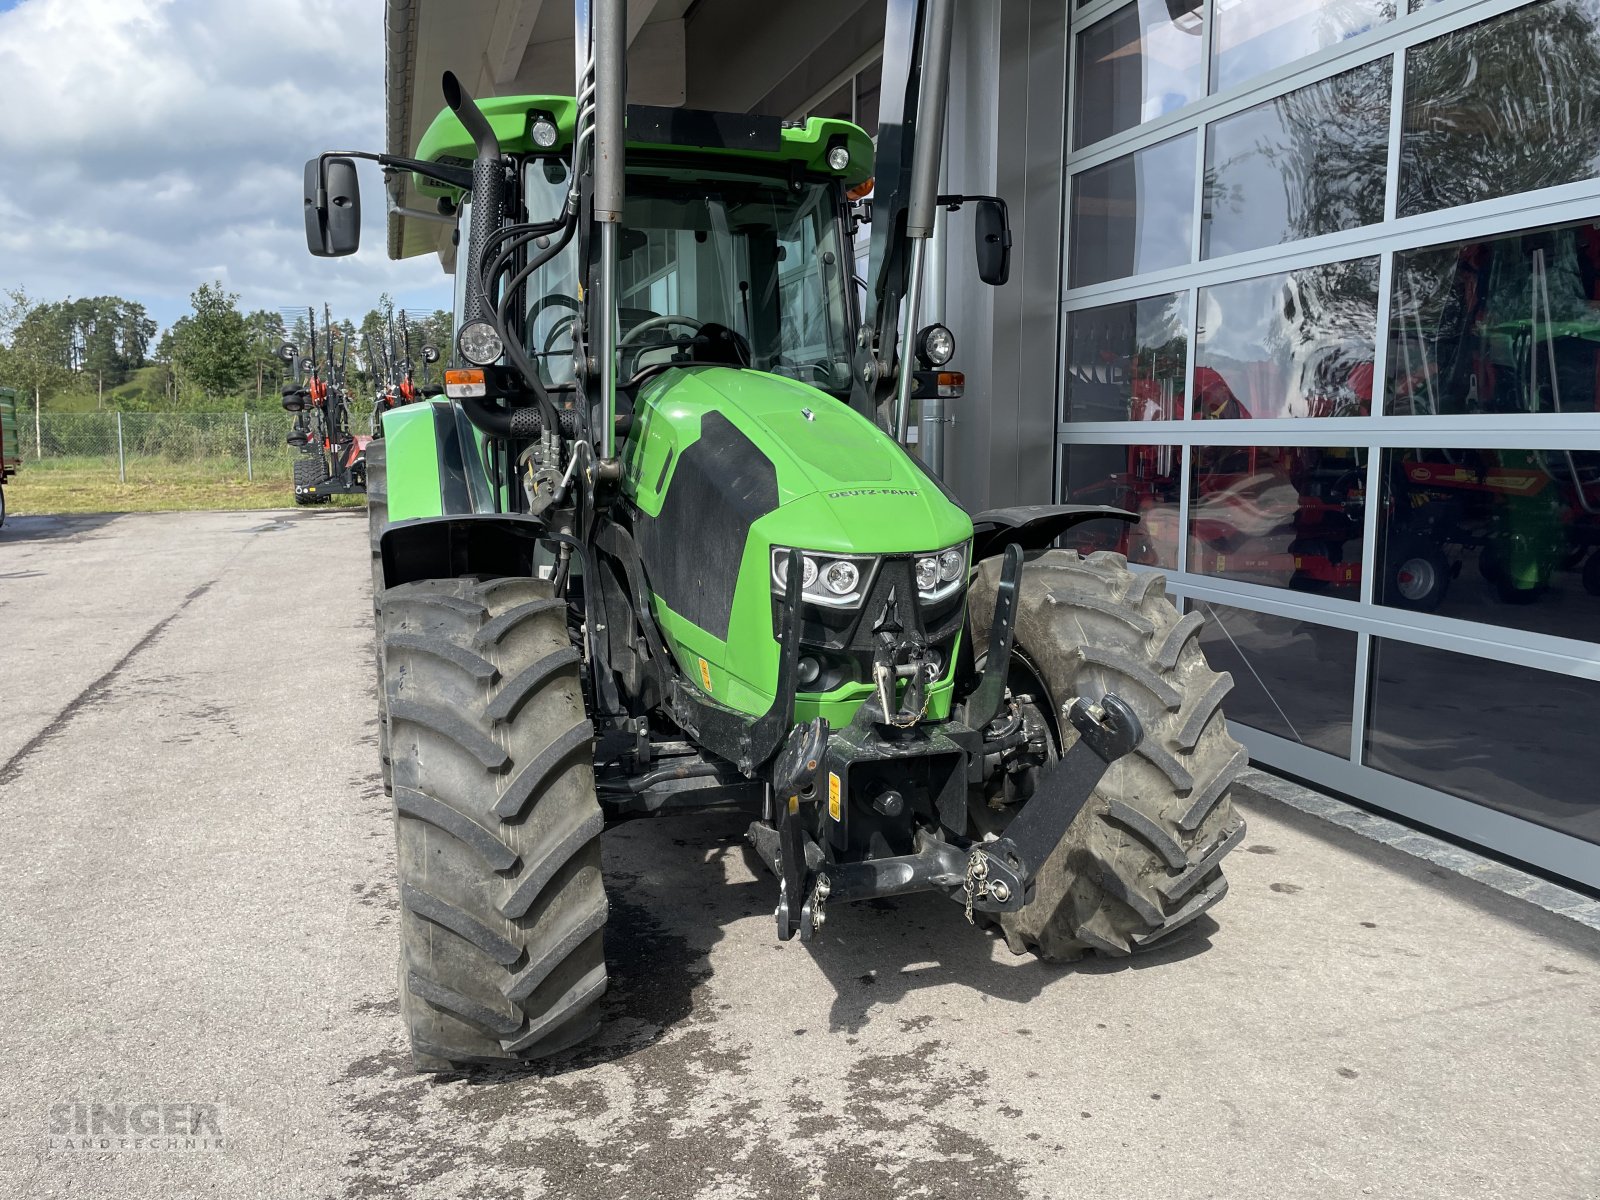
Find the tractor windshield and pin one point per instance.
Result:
(755, 263)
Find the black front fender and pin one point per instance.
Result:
(460, 544)
(1034, 526)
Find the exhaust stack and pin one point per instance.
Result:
(488, 190)
(610, 48)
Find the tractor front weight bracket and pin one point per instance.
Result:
(984, 704)
(1000, 873)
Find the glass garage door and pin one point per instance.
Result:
(1331, 325)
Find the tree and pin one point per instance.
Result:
(134, 331)
(377, 329)
(211, 348)
(266, 334)
(108, 337)
(35, 347)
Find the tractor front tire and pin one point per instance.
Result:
(377, 518)
(497, 823)
(309, 471)
(1143, 858)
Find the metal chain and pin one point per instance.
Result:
(974, 883)
(884, 678)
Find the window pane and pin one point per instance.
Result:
(1254, 36)
(1299, 344)
(1126, 362)
(1305, 164)
(837, 105)
(869, 87)
(1294, 679)
(1507, 105)
(1506, 537)
(1510, 325)
(1282, 517)
(1134, 214)
(1501, 735)
(1138, 63)
(1141, 479)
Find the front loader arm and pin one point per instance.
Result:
(916, 52)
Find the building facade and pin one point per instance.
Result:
(1314, 287)
(1330, 321)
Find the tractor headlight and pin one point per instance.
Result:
(480, 345)
(839, 157)
(941, 573)
(841, 577)
(835, 580)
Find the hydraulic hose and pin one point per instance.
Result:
(488, 203)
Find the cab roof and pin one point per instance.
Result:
(758, 139)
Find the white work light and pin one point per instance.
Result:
(936, 346)
(543, 132)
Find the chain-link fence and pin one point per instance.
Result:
(246, 446)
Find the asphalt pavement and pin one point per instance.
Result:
(198, 935)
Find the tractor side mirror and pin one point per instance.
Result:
(992, 238)
(430, 354)
(332, 206)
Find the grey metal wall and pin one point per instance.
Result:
(1006, 136)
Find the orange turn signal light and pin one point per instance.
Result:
(465, 382)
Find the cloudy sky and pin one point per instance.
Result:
(150, 145)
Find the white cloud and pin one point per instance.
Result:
(152, 145)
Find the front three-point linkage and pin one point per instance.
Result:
(996, 875)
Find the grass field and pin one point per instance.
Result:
(91, 485)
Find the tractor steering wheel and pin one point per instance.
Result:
(553, 300)
(637, 342)
(651, 324)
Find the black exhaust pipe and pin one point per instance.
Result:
(488, 190)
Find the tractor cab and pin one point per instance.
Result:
(725, 268)
(736, 243)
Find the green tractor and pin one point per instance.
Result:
(660, 547)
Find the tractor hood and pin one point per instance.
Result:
(840, 483)
(722, 465)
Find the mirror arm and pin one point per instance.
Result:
(954, 203)
(456, 177)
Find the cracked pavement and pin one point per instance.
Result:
(199, 908)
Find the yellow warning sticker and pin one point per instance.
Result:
(833, 795)
(705, 674)
(794, 804)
